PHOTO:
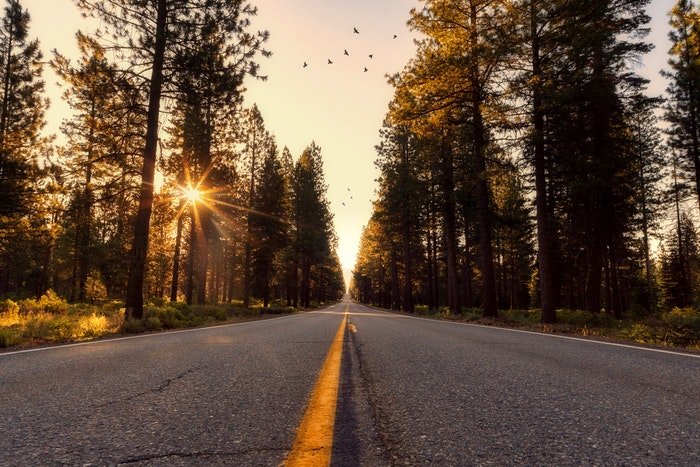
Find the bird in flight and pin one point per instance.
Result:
(345, 52)
(355, 30)
(330, 62)
(348, 189)
(395, 36)
(305, 65)
(343, 204)
(365, 69)
(371, 55)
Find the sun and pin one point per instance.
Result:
(192, 195)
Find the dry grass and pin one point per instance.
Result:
(50, 319)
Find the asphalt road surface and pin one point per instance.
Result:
(411, 392)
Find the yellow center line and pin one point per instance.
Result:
(314, 441)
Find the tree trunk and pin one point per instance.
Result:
(6, 81)
(85, 231)
(249, 235)
(599, 198)
(176, 254)
(450, 229)
(617, 305)
(288, 283)
(266, 288)
(544, 242)
(651, 300)
(232, 271)
(431, 260)
(305, 282)
(395, 290)
(406, 230)
(192, 254)
(134, 293)
(683, 279)
(203, 255)
(488, 295)
(295, 282)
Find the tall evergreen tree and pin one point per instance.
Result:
(312, 217)
(268, 222)
(21, 118)
(257, 142)
(92, 135)
(683, 107)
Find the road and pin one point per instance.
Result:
(410, 392)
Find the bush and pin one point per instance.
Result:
(169, 318)
(585, 318)
(156, 301)
(61, 329)
(9, 313)
(681, 326)
(216, 312)
(47, 303)
(152, 323)
(421, 309)
(9, 337)
(520, 317)
(240, 312)
(8, 307)
(277, 310)
(133, 326)
(639, 332)
(95, 290)
(93, 325)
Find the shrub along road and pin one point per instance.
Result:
(411, 391)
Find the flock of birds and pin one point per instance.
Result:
(346, 53)
(330, 62)
(343, 203)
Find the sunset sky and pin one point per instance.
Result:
(339, 106)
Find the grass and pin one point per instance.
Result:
(676, 327)
(50, 319)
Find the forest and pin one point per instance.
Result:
(524, 166)
(164, 186)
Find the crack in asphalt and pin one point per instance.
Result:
(379, 417)
(162, 387)
(194, 454)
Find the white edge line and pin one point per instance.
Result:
(144, 336)
(558, 336)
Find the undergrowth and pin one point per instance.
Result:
(675, 327)
(51, 319)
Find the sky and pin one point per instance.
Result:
(338, 106)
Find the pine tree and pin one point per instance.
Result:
(257, 142)
(650, 164)
(21, 108)
(312, 217)
(21, 118)
(268, 222)
(683, 107)
(92, 136)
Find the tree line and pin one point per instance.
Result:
(157, 89)
(523, 164)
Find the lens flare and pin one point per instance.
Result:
(192, 195)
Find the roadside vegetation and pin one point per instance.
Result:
(50, 319)
(678, 327)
